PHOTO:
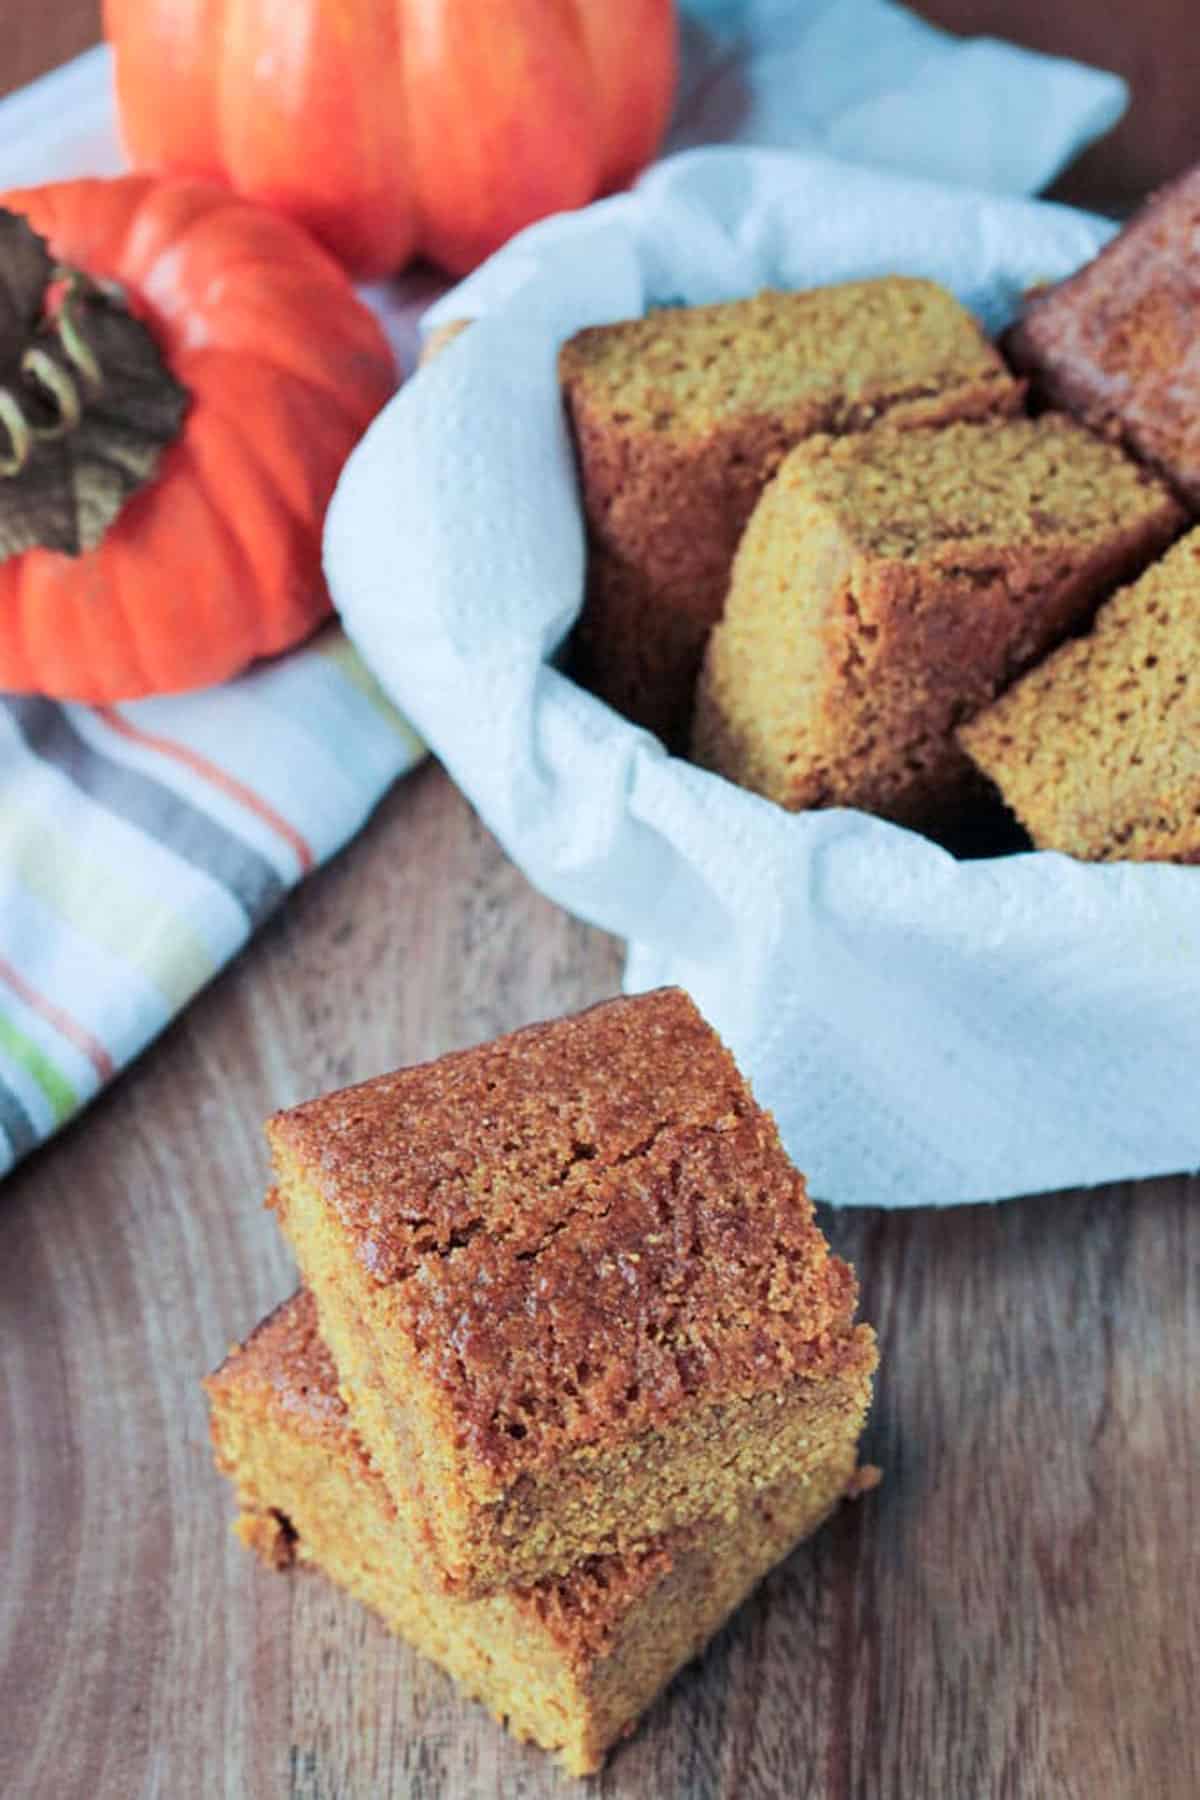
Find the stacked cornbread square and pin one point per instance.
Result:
(570, 1662)
(577, 1366)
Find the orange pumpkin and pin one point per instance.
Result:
(216, 559)
(392, 128)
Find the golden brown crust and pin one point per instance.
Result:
(284, 1368)
(570, 1662)
(1114, 344)
(889, 585)
(284, 1374)
(1097, 750)
(584, 1225)
(681, 417)
(498, 1139)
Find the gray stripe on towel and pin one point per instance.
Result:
(182, 828)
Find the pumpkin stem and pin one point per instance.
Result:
(86, 404)
(19, 431)
(70, 327)
(61, 384)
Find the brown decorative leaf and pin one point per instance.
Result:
(25, 269)
(78, 475)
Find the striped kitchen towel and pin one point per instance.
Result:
(140, 845)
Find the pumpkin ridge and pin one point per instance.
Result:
(277, 230)
(382, 123)
(204, 234)
(304, 536)
(154, 213)
(121, 248)
(322, 391)
(293, 294)
(124, 596)
(356, 348)
(236, 552)
(106, 652)
(343, 423)
(143, 628)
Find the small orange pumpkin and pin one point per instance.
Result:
(392, 128)
(215, 559)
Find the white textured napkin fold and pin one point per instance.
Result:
(869, 81)
(927, 1031)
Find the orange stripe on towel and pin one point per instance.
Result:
(216, 777)
(67, 1027)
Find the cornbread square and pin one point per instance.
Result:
(890, 585)
(1097, 750)
(680, 418)
(569, 1663)
(573, 1287)
(1116, 344)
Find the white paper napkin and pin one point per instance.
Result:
(871, 82)
(926, 1031)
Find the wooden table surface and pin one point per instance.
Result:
(1014, 1612)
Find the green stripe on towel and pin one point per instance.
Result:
(105, 905)
(64, 1099)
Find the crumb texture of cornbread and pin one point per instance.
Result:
(570, 1663)
(679, 419)
(1097, 750)
(573, 1286)
(889, 585)
(1116, 344)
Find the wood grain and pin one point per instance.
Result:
(1012, 1614)
(35, 35)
